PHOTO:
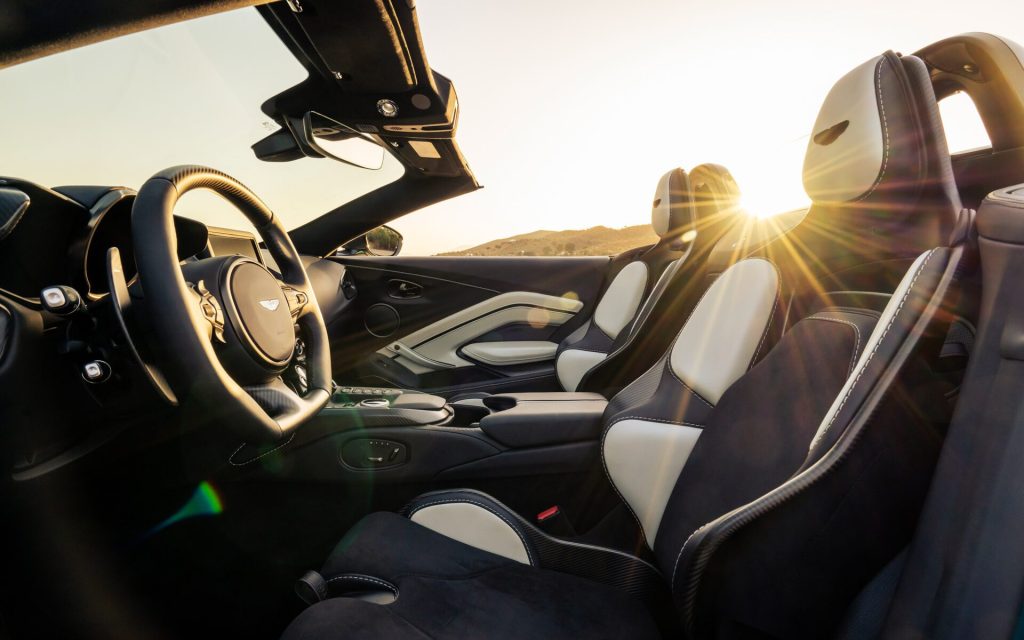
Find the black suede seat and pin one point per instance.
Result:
(446, 589)
(766, 478)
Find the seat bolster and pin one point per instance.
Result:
(440, 588)
(573, 364)
(474, 519)
(366, 550)
(600, 564)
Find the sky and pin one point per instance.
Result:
(569, 111)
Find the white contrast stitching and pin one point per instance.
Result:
(608, 473)
(231, 458)
(352, 576)
(867, 361)
(511, 526)
(885, 132)
(675, 567)
(856, 346)
(661, 420)
(771, 315)
(906, 294)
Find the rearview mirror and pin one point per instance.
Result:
(382, 241)
(331, 139)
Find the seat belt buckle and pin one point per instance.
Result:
(554, 521)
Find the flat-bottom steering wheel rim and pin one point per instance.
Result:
(195, 371)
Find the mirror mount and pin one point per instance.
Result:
(317, 136)
(280, 146)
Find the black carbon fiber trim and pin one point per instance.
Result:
(187, 177)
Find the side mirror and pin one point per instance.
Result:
(382, 241)
(318, 136)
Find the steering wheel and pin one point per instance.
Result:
(225, 328)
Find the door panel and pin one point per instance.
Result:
(409, 319)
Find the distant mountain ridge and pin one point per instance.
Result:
(595, 241)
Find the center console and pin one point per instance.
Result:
(394, 435)
(382, 406)
(521, 420)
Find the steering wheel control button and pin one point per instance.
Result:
(211, 310)
(263, 316)
(96, 371)
(296, 300)
(60, 300)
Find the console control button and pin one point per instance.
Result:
(60, 300)
(96, 371)
(365, 453)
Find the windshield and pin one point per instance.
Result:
(116, 112)
(619, 93)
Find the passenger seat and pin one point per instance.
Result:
(688, 222)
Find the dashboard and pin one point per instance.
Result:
(66, 233)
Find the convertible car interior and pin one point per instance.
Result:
(795, 426)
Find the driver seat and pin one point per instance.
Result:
(766, 495)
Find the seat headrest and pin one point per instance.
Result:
(877, 158)
(684, 203)
(716, 196)
(672, 213)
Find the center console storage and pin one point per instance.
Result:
(524, 420)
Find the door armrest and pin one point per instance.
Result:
(511, 352)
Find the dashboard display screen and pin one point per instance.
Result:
(226, 242)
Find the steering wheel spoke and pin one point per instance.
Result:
(226, 332)
(210, 309)
(275, 397)
(297, 300)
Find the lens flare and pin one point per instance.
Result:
(205, 501)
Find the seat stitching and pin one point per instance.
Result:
(584, 349)
(604, 462)
(511, 526)
(668, 361)
(675, 567)
(867, 361)
(885, 131)
(771, 314)
(892, 320)
(532, 530)
(377, 581)
(856, 346)
(661, 420)
(231, 458)
(688, 387)
(611, 481)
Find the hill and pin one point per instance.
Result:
(595, 241)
